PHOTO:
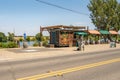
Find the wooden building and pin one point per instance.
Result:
(61, 35)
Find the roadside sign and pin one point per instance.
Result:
(24, 36)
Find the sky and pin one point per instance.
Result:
(26, 16)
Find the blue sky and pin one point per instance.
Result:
(28, 15)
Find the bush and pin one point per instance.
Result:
(45, 43)
(4, 45)
(119, 39)
(8, 45)
(0, 45)
(12, 45)
(35, 44)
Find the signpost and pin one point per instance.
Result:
(25, 42)
(24, 36)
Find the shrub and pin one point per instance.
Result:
(119, 38)
(0, 45)
(35, 44)
(4, 45)
(45, 43)
(8, 45)
(12, 45)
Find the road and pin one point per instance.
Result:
(104, 65)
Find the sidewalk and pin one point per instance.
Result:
(9, 54)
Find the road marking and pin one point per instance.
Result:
(30, 50)
(69, 70)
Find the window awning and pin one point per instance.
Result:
(104, 32)
(94, 32)
(113, 32)
(80, 33)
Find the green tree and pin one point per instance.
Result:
(3, 38)
(39, 37)
(116, 24)
(28, 38)
(11, 36)
(21, 39)
(105, 14)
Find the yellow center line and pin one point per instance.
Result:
(64, 71)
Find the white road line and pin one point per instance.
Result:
(30, 50)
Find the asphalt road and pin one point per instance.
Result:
(101, 66)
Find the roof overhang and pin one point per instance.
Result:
(104, 32)
(63, 27)
(113, 32)
(93, 32)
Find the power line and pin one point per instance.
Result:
(74, 11)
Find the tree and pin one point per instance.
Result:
(11, 36)
(116, 24)
(28, 38)
(39, 37)
(105, 14)
(3, 38)
(21, 39)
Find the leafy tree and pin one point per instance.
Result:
(10, 36)
(39, 37)
(116, 23)
(105, 14)
(21, 39)
(3, 38)
(28, 38)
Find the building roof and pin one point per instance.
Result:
(93, 32)
(62, 27)
(104, 32)
(113, 32)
